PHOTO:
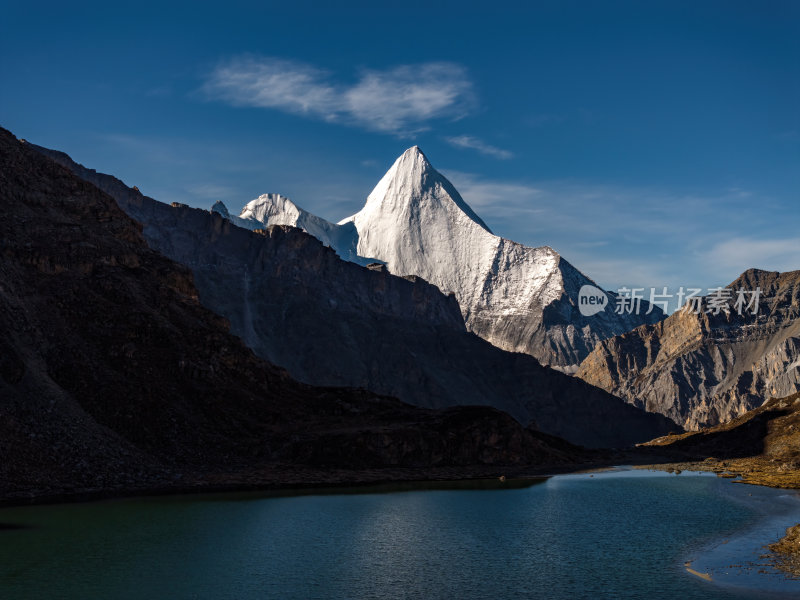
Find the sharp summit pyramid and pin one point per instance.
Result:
(411, 185)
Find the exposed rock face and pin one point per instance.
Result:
(331, 322)
(704, 369)
(112, 374)
(518, 298)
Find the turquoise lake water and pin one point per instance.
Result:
(618, 534)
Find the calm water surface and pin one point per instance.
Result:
(619, 534)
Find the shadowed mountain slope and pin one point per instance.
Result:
(113, 375)
(762, 445)
(519, 298)
(331, 322)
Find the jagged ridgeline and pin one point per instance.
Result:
(334, 322)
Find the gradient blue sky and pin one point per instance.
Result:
(650, 143)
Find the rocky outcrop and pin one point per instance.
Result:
(787, 551)
(331, 322)
(771, 431)
(114, 376)
(705, 369)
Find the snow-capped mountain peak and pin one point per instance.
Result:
(517, 297)
(411, 186)
(270, 206)
(276, 209)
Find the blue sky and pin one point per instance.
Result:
(650, 143)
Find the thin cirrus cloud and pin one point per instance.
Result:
(472, 143)
(767, 253)
(400, 101)
(637, 236)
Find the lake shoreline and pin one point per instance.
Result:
(281, 477)
(746, 559)
(785, 552)
(291, 480)
(277, 478)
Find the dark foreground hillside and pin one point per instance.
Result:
(114, 377)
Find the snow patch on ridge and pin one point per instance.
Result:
(275, 209)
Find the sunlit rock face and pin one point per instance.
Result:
(704, 369)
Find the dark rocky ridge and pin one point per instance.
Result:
(114, 376)
(330, 322)
(705, 369)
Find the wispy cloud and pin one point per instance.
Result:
(614, 272)
(788, 135)
(773, 254)
(212, 191)
(162, 91)
(618, 212)
(161, 150)
(400, 101)
(498, 199)
(637, 236)
(472, 143)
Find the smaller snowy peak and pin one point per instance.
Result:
(273, 209)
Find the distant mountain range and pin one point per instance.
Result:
(702, 369)
(114, 369)
(332, 322)
(113, 376)
(519, 298)
(117, 368)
